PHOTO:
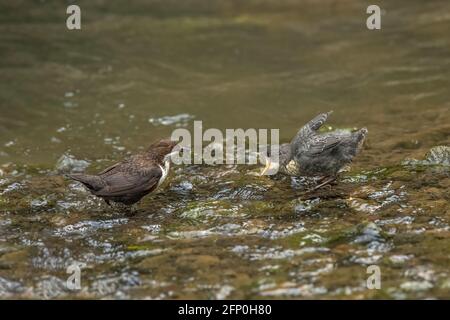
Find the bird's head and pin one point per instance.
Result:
(162, 150)
(277, 159)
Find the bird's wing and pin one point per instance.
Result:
(128, 182)
(120, 165)
(311, 127)
(110, 168)
(318, 144)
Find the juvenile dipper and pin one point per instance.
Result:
(313, 154)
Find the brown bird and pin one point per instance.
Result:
(133, 178)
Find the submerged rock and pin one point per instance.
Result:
(67, 164)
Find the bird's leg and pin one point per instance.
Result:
(322, 179)
(325, 182)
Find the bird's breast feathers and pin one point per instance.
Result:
(164, 171)
(292, 168)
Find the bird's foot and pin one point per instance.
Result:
(322, 179)
(128, 210)
(131, 210)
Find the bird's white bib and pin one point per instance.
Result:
(165, 171)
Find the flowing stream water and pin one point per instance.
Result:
(81, 100)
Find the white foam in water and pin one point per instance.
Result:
(180, 120)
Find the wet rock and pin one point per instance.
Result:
(104, 287)
(406, 220)
(366, 260)
(302, 183)
(224, 292)
(360, 205)
(88, 227)
(114, 286)
(10, 288)
(240, 249)
(38, 204)
(51, 287)
(15, 186)
(421, 273)
(319, 269)
(439, 155)
(399, 259)
(246, 192)
(207, 210)
(370, 232)
(356, 178)
(304, 290)
(275, 253)
(369, 200)
(416, 285)
(312, 238)
(58, 221)
(183, 187)
(305, 206)
(190, 234)
(152, 228)
(68, 164)
(285, 232)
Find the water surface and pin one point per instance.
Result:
(88, 98)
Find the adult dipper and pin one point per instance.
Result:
(133, 178)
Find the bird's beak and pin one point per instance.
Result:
(176, 152)
(266, 168)
(186, 149)
(271, 167)
(179, 148)
(169, 155)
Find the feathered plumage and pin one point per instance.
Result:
(133, 178)
(311, 153)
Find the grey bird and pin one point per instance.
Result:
(311, 153)
(128, 181)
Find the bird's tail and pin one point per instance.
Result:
(311, 127)
(319, 120)
(92, 182)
